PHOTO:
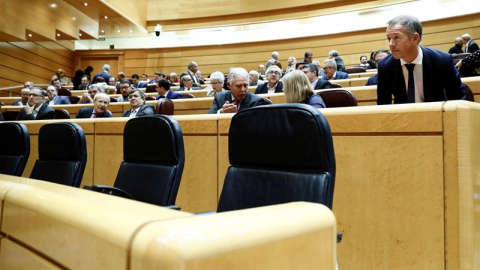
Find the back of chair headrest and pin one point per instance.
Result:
(61, 141)
(282, 136)
(338, 98)
(160, 134)
(14, 138)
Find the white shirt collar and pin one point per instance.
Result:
(417, 61)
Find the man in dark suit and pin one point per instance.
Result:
(163, 90)
(273, 84)
(54, 98)
(413, 73)
(330, 70)
(379, 55)
(25, 93)
(458, 46)
(138, 106)
(104, 74)
(35, 109)
(100, 105)
(85, 84)
(186, 84)
(191, 71)
(470, 45)
(311, 71)
(238, 98)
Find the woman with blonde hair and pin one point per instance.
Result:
(298, 89)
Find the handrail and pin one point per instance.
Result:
(10, 88)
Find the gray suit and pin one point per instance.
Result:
(249, 101)
(145, 109)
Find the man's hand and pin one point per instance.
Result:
(229, 108)
(28, 109)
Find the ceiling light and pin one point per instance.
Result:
(106, 17)
(85, 4)
(74, 18)
(58, 34)
(30, 35)
(103, 31)
(131, 30)
(118, 31)
(53, 5)
(79, 34)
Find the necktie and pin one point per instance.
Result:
(411, 84)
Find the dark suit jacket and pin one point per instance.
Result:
(17, 102)
(372, 80)
(87, 113)
(1, 117)
(170, 95)
(263, 88)
(441, 80)
(249, 101)
(193, 87)
(81, 87)
(103, 74)
(145, 109)
(59, 100)
(338, 76)
(322, 84)
(45, 113)
(472, 47)
(455, 50)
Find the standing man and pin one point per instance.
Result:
(163, 90)
(100, 105)
(104, 74)
(413, 73)
(274, 60)
(333, 54)
(470, 45)
(238, 98)
(36, 109)
(192, 69)
(54, 98)
(137, 105)
(311, 71)
(458, 46)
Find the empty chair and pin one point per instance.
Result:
(338, 98)
(10, 115)
(62, 114)
(64, 92)
(355, 70)
(150, 174)
(165, 106)
(62, 154)
(14, 149)
(186, 95)
(74, 99)
(151, 88)
(290, 159)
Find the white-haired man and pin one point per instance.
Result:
(275, 60)
(470, 45)
(105, 74)
(273, 84)
(99, 109)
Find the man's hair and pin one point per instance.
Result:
(184, 77)
(56, 79)
(106, 67)
(121, 74)
(362, 57)
(410, 23)
(191, 64)
(307, 54)
(112, 77)
(297, 86)
(466, 37)
(275, 54)
(101, 94)
(254, 73)
(135, 76)
(141, 93)
(164, 83)
(275, 68)
(299, 63)
(53, 87)
(173, 74)
(237, 72)
(42, 92)
(161, 74)
(330, 62)
(312, 67)
(333, 53)
(125, 81)
(86, 76)
(217, 75)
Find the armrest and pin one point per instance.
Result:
(110, 190)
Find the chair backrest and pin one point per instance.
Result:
(468, 93)
(14, 149)
(267, 101)
(336, 85)
(62, 114)
(186, 95)
(291, 158)
(62, 154)
(338, 98)
(151, 88)
(149, 98)
(112, 99)
(152, 174)
(74, 99)
(10, 115)
(355, 70)
(64, 92)
(165, 106)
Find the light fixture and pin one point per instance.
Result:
(103, 31)
(158, 29)
(30, 35)
(58, 34)
(106, 17)
(131, 30)
(74, 18)
(53, 5)
(85, 4)
(118, 31)
(79, 34)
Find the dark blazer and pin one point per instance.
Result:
(372, 80)
(315, 101)
(455, 50)
(45, 113)
(441, 80)
(472, 47)
(17, 102)
(263, 88)
(170, 95)
(338, 76)
(193, 87)
(103, 74)
(141, 85)
(322, 84)
(81, 87)
(1, 117)
(249, 101)
(145, 109)
(87, 113)
(57, 100)
(340, 64)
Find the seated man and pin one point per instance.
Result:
(173, 79)
(54, 98)
(379, 55)
(156, 77)
(331, 73)
(364, 62)
(136, 83)
(311, 71)
(163, 90)
(58, 85)
(137, 105)
(254, 78)
(36, 109)
(273, 84)
(100, 105)
(85, 83)
(125, 89)
(25, 93)
(88, 97)
(186, 84)
(238, 98)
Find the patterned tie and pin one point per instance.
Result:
(411, 84)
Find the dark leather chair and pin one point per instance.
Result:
(336, 85)
(64, 92)
(165, 106)
(150, 174)
(468, 93)
(10, 115)
(291, 158)
(112, 99)
(62, 154)
(14, 149)
(74, 99)
(267, 101)
(355, 70)
(62, 114)
(186, 95)
(149, 98)
(151, 88)
(338, 98)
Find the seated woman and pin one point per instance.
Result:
(216, 83)
(298, 89)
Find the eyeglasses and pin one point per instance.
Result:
(35, 95)
(215, 83)
(124, 87)
(272, 73)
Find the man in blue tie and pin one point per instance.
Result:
(413, 73)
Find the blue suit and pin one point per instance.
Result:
(263, 88)
(87, 113)
(58, 100)
(170, 95)
(17, 103)
(338, 76)
(441, 80)
(142, 85)
(372, 80)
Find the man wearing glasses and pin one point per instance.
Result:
(125, 89)
(274, 85)
(35, 109)
(137, 105)
(331, 73)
